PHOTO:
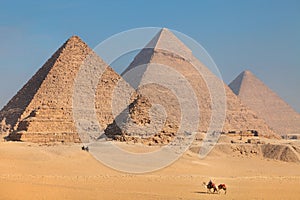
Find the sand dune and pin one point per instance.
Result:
(32, 171)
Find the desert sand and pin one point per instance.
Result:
(64, 171)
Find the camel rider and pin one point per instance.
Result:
(210, 184)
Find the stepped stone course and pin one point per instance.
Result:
(266, 104)
(155, 113)
(42, 110)
(167, 50)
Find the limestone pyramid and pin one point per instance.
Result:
(165, 49)
(42, 110)
(266, 103)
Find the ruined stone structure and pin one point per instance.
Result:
(266, 103)
(42, 110)
(164, 53)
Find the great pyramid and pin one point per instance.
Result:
(42, 110)
(165, 49)
(266, 103)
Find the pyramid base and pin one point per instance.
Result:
(44, 137)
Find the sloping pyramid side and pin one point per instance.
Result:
(266, 103)
(12, 111)
(163, 40)
(42, 110)
(238, 117)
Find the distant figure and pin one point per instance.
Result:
(210, 183)
(85, 148)
(222, 187)
(210, 186)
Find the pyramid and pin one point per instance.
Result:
(266, 103)
(165, 49)
(42, 110)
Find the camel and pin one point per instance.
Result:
(210, 186)
(222, 186)
(85, 148)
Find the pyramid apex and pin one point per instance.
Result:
(74, 41)
(236, 84)
(244, 74)
(247, 72)
(166, 40)
(164, 30)
(75, 38)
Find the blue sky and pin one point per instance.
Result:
(262, 36)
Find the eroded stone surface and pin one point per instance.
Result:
(266, 104)
(42, 110)
(156, 56)
(155, 113)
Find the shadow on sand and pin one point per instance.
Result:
(201, 192)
